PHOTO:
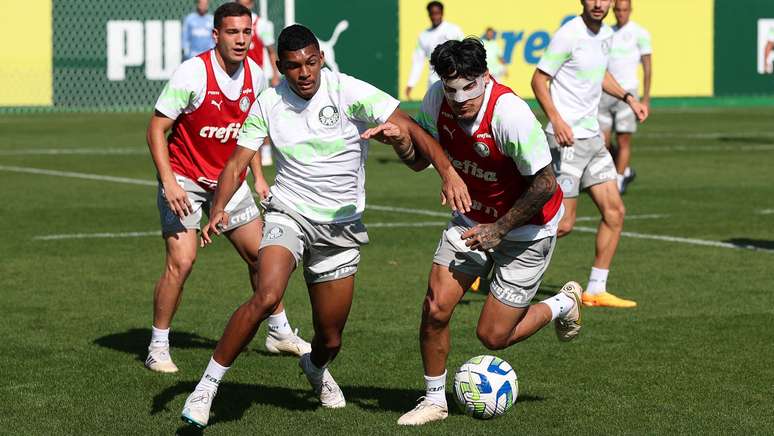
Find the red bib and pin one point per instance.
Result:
(492, 178)
(202, 141)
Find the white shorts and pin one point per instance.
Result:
(616, 114)
(517, 266)
(241, 208)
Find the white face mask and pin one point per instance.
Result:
(458, 85)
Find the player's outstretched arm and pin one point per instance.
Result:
(542, 187)
(612, 87)
(176, 198)
(228, 182)
(562, 130)
(416, 147)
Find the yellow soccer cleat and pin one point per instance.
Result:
(606, 299)
(476, 285)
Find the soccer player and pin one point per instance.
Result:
(197, 31)
(439, 32)
(575, 66)
(315, 119)
(203, 105)
(494, 54)
(494, 140)
(630, 47)
(767, 51)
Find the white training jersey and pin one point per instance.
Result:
(577, 59)
(630, 43)
(320, 156)
(184, 92)
(428, 40)
(517, 133)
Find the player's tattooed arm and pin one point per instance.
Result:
(542, 187)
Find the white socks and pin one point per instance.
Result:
(279, 325)
(560, 305)
(627, 172)
(159, 337)
(597, 281)
(212, 376)
(435, 389)
(619, 178)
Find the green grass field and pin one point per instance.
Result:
(694, 357)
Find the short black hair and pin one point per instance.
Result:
(295, 37)
(466, 58)
(432, 5)
(230, 10)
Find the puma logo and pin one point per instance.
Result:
(216, 103)
(449, 131)
(327, 46)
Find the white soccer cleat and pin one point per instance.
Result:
(330, 393)
(159, 359)
(196, 410)
(568, 327)
(426, 411)
(287, 344)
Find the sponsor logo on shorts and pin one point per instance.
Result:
(329, 116)
(481, 149)
(243, 217)
(504, 294)
(274, 233)
(224, 134)
(244, 104)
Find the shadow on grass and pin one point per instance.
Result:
(135, 341)
(754, 244)
(234, 399)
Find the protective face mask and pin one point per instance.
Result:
(460, 95)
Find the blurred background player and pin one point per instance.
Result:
(263, 53)
(494, 140)
(439, 32)
(317, 119)
(631, 47)
(575, 66)
(204, 104)
(494, 54)
(197, 31)
(768, 62)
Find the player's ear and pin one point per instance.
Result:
(322, 57)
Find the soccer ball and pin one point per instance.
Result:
(486, 387)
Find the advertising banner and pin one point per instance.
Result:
(681, 33)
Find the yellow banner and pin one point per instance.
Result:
(682, 33)
(26, 53)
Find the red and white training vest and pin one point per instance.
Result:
(492, 177)
(202, 141)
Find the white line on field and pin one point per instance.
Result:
(707, 135)
(75, 151)
(765, 212)
(142, 182)
(680, 240)
(74, 175)
(709, 147)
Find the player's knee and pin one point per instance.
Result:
(331, 342)
(435, 312)
(614, 215)
(262, 304)
(180, 266)
(492, 339)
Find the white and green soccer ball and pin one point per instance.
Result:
(486, 387)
